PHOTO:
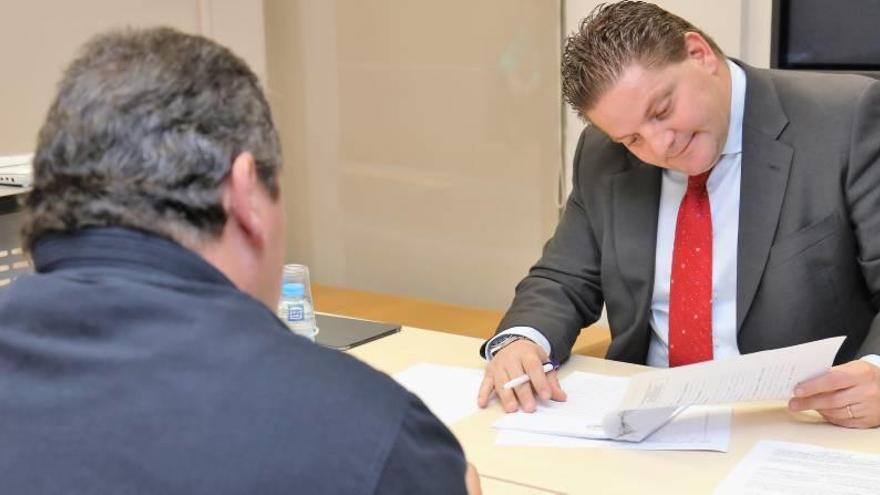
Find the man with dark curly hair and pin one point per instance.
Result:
(717, 209)
(143, 356)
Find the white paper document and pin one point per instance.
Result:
(782, 468)
(591, 399)
(450, 392)
(766, 375)
(631, 409)
(697, 428)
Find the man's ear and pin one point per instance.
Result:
(242, 201)
(699, 50)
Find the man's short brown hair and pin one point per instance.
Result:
(614, 36)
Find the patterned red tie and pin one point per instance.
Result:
(690, 289)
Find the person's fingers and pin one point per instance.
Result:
(826, 400)
(837, 413)
(837, 378)
(864, 415)
(519, 358)
(535, 369)
(840, 417)
(472, 480)
(524, 396)
(556, 392)
(506, 396)
(848, 395)
(486, 388)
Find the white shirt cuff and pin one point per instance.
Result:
(872, 358)
(527, 332)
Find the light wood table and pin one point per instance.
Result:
(432, 315)
(539, 470)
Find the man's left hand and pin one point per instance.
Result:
(847, 395)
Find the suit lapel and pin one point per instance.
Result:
(636, 201)
(765, 167)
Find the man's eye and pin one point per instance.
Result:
(663, 113)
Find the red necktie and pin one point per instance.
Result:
(690, 289)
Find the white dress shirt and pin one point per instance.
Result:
(723, 187)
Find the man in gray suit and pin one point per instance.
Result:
(717, 209)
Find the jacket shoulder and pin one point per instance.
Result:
(597, 159)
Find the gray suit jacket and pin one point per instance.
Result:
(809, 232)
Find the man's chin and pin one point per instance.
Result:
(688, 168)
(693, 166)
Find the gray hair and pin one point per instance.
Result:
(142, 134)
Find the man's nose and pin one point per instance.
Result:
(661, 141)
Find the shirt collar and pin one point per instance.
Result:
(737, 105)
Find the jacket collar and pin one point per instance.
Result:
(766, 162)
(105, 247)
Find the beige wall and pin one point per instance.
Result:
(39, 37)
(755, 34)
(421, 140)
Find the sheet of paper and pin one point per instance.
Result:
(590, 398)
(783, 468)
(766, 375)
(450, 392)
(697, 428)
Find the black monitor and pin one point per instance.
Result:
(826, 35)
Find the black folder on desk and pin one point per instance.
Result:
(344, 333)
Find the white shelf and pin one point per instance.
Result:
(12, 190)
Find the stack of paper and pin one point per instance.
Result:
(631, 409)
(578, 422)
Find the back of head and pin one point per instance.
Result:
(613, 37)
(142, 134)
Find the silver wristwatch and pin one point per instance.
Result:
(505, 341)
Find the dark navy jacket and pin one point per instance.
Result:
(128, 364)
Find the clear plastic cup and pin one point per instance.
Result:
(295, 308)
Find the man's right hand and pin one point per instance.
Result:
(522, 356)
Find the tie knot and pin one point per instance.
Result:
(697, 183)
